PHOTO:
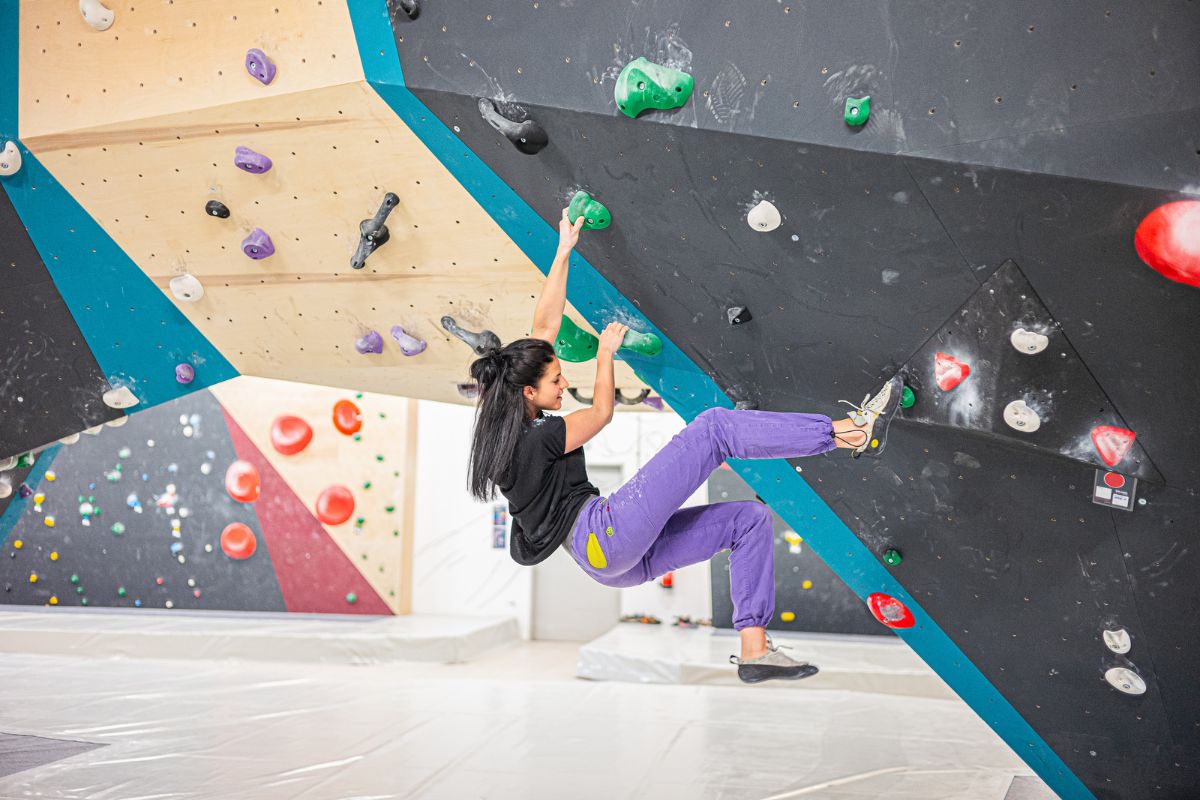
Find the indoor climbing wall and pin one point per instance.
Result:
(268, 196)
(223, 501)
(997, 203)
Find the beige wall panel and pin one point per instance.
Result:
(382, 547)
(295, 315)
(161, 57)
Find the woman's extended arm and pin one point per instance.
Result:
(547, 315)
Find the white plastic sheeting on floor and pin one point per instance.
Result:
(513, 724)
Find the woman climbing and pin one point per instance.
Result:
(640, 532)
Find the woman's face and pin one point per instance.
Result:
(549, 391)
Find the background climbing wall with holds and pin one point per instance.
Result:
(797, 256)
(148, 146)
(184, 508)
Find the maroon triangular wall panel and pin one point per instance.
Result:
(314, 574)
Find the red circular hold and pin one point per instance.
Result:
(238, 541)
(346, 417)
(1168, 240)
(335, 505)
(890, 611)
(290, 435)
(241, 481)
(1114, 479)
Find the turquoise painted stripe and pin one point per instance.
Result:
(135, 332)
(689, 391)
(16, 507)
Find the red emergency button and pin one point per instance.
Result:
(1114, 479)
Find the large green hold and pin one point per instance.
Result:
(643, 84)
(575, 344)
(595, 215)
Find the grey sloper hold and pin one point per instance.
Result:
(373, 233)
(618, 395)
(479, 342)
(513, 121)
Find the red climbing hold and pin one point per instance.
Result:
(948, 371)
(335, 505)
(890, 611)
(346, 417)
(290, 435)
(1168, 239)
(1112, 443)
(238, 541)
(241, 481)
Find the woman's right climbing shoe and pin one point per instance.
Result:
(773, 665)
(876, 414)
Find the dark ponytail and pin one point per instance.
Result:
(501, 412)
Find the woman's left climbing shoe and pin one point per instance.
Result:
(876, 413)
(774, 665)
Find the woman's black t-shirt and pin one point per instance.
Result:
(545, 490)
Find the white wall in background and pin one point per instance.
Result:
(457, 571)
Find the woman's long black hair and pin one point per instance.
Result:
(501, 412)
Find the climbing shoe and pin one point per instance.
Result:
(876, 414)
(772, 666)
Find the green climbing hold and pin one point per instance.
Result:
(389, 509)
(25, 460)
(118, 529)
(573, 343)
(595, 215)
(357, 437)
(858, 109)
(121, 591)
(75, 579)
(366, 484)
(891, 557)
(907, 398)
(78, 590)
(646, 344)
(643, 84)
(83, 601)
(352, 598)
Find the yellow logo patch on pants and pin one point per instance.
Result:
(594, 554)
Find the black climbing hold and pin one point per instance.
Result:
(745, 405)
(738, 315)
(373, 233)
(479, 342)
(215, 208)
(404, 9)
(514, 122)
(632, 401)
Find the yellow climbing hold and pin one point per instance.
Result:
(18, 544)
(787, 616)
(54, 556)
(49, 520)
(806, 585)
(53, 599)
(33, 577)
(594, 553)
(50, 476)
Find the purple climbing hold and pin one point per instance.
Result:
(247, 159)
(371, 343)
(468, 390)
(258, 65)
(409, 345)
(185, 373)
(654, 402)
(25, 491)
(258, 245)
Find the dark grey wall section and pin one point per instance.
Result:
(159, 454)
(42, 353)
(876, 254)
(827, 606)
(1070, 88)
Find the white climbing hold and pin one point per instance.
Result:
(118, 422)
(96, 14)
(8, 463)
(187, 287)
(94, 430)
(71, 439)
(5, 488)
(1029, 342)
(121, 397)
(764, 217)
(1021, 417)
(10, 159)
(1125, 680)
(1118, 640)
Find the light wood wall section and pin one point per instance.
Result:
(140, 124)
(384, 456)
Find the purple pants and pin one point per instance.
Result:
(640, 532)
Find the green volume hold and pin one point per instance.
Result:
(575, 344)
(643, 84)
(595, 215)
